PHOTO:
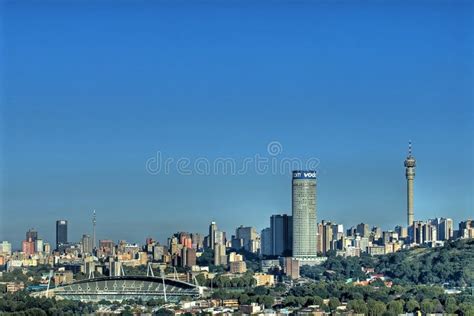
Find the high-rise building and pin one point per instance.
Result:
(28, 247)
(5, 248)
(198, 240)
(220, 257)
(61, 233)
(291, 267)
(249, 236)
(31, 234)
(237, 267)
(39, 245)
(304, 214)
(325, 237)
(212, 235)
(401, 231)
(47, 248)
(266, 242)
(188, 257)
(86, 244)
(106, 247)
(445, 228)
(410, 164)
(282, 234)
(466, 229)
(363, 230)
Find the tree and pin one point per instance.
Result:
(450, 305)
(164, 312)
(358, 306)
(244, 299)
(290, 300)
(35, 312)
(268, 301)
(412, 306)
(395, 307)
(260, 290)
(466, 309)
(334, 303)
(427, 306)
(376, 308)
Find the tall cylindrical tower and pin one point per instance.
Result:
(304, 214)
(410, 164)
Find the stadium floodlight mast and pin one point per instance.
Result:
(49, 282)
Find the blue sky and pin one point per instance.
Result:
(91, 90)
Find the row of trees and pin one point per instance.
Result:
(372, 300)
(21, 302)
(259, 294)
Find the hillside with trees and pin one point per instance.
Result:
(452, 265)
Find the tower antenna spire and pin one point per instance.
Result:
(409, 148)
(94, 221)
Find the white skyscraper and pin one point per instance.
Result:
(304, 214)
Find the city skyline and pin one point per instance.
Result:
(344, 83)
(297, 175)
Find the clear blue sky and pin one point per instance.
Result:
(90, 91)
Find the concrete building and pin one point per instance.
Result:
(188, 257)
(376, 250)
(291, 267)
(445, 228)
(363, 230)
(248, 237)
(106, 247)
(39, 246)
(466, 229)
(401, 231)
(410, 164)
(5, 248)
(238, 267)
(233, 257)
(86, 244)
(264, 279)
(220, 257)
(28, 247)
(197, 240)
(304, 214)
(158, 252)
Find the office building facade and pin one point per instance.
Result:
(61, 233)
(304, 214)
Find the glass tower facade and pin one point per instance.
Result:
(304, 214)
(61, 233)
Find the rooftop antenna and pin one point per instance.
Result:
(409, 148)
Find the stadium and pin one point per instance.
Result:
(119, 288)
